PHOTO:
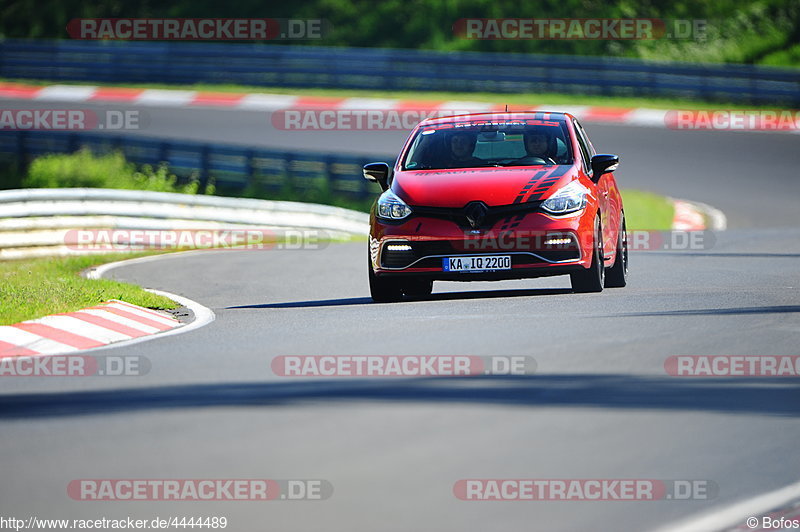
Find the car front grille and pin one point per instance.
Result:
(431, 251)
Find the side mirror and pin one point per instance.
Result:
(377, 173)
(603, 163)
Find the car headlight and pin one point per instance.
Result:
(392, 207)
(570, 198)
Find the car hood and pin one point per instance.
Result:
(493, 186)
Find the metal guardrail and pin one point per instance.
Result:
(38, 222)
(392, 69)
(235, 169)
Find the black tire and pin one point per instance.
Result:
(417, 287)
(617, 275)
(383, 290)
(591, 279)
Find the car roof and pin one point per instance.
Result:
(502, 115)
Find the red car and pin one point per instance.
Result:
(494, 196)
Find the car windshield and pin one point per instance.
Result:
(487, 143)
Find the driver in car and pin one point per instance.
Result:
(462, 144)
(538, 148)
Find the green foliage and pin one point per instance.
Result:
(748, 31)
(84, 169)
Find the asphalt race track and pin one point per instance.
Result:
(749, 175)
(600, 405)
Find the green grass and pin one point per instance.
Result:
(33, 288)
(533, 99)
(645, 211)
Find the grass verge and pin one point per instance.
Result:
(33, 288)
(645, 211)
(491, 97)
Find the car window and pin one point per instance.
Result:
(486, 143)
(586, 149)
(586, 140)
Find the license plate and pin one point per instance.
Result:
(476, 264)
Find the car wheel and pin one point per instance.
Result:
(591, 279)
(418, 287)
(617, 275)
(383, 290)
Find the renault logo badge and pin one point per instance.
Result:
(476, 212)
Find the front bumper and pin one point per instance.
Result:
(538, 244)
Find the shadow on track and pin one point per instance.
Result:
(785, 309)
(441, 296)
(752, 396)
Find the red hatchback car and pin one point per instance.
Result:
(494, 196)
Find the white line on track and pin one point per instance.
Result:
(202, 315)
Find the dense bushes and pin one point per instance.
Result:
(746, 31)
(83, 169)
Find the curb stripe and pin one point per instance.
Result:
(276, 102)
(116, 94)
(108, 324)
(84, 329)
(369, 104)
(428, 106)
(319, 102)
(131, 316)
(59, 335)
(606, 114)
(67, 322)
(217, 98)
(13, 91)
(31, 341)
(11, 350)
(143, 310)
(170, 98)
(267, 102)
(103, 313)
(146, 315)
(72, 93)
(686, 217)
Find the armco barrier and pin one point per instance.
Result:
(391, 69)
(234, 168)
(34, 222)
